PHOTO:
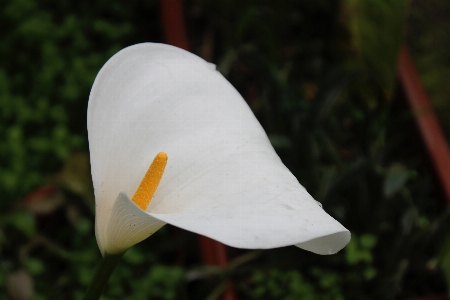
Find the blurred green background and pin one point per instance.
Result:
(321, 78)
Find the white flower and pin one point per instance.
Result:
(223, 178)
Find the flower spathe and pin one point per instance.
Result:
(223, 178)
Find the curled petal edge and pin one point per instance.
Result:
(129, 225)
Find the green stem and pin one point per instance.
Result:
(101, 276)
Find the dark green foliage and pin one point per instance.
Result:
(429, 38)
(50, 54)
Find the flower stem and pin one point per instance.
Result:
(101, 276)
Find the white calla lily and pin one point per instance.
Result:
(223, 178)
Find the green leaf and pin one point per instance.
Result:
(396, 178)
(35, 266)
(22, 221)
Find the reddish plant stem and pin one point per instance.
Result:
(426, 119)
(173, 23)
